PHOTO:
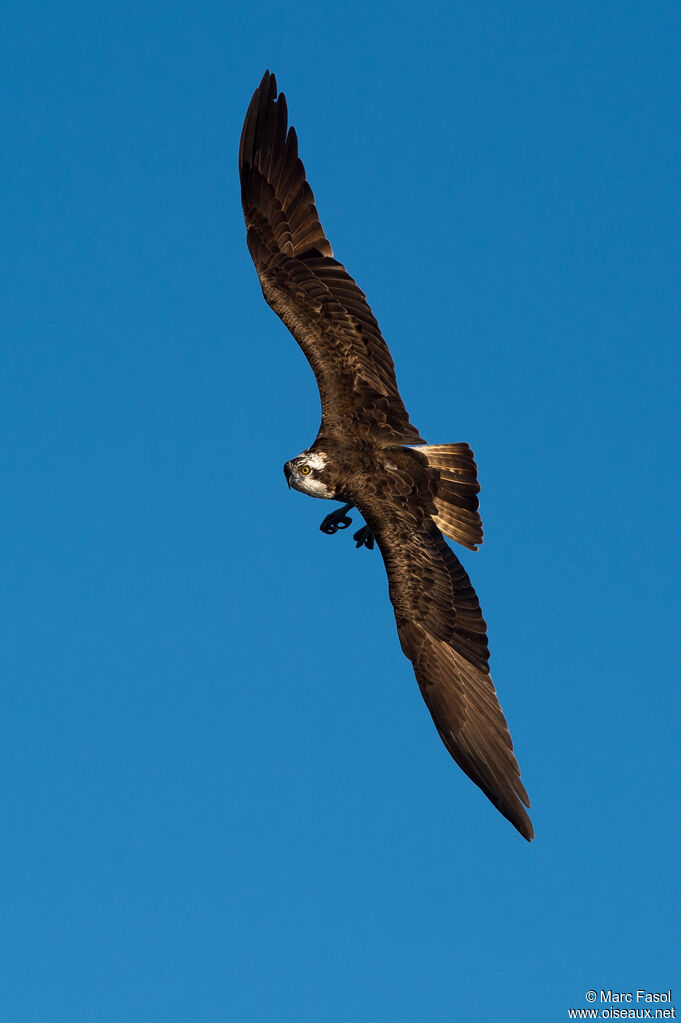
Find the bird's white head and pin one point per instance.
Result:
(308, 474)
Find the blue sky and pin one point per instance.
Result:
(222, 795)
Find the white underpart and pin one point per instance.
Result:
(312, 487)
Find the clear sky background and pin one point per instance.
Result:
(222, 795)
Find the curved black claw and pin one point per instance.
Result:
(335, 521)
(364, 538)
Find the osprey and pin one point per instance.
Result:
(368, 455)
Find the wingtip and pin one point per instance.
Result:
(521, 821)
(265, 94)
(268, 83)
(527, 831)
(514, 811)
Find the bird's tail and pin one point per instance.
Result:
(456, 499)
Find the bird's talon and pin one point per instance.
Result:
(364, 538)
(335, 521)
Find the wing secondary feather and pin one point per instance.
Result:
(310, 291)
(403, 494)
(443, 634)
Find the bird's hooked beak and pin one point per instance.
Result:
(287, 473)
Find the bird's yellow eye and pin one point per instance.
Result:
(305, 470)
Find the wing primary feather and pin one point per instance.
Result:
(443, 633)
(311, 291)
(439, 621)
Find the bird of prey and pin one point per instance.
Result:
(368, 455)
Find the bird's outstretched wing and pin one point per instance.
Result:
(443, 634)
(311, 291)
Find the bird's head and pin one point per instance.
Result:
(308, 473)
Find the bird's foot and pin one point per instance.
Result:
(336, 520)
(364, 537)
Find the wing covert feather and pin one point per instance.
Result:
(310, 291)
(443, 633)
(438, 616)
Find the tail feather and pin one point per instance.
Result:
(456, 498)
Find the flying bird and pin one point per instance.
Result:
(368, 455)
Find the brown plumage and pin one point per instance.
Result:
(364, 455)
